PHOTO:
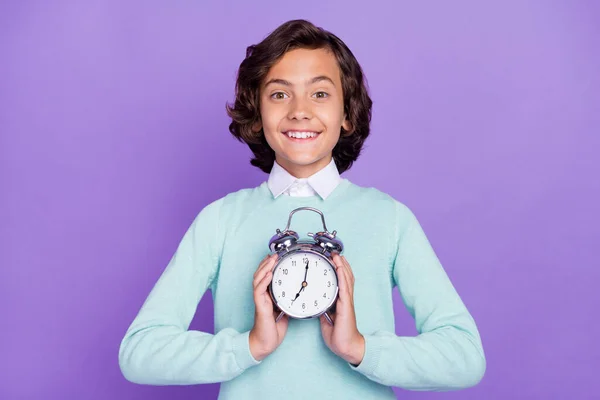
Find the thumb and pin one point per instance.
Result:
(326, 327)
(283, 320)
(282, 325)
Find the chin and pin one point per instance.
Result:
(300, 159)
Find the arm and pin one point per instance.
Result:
(158, 348)
(447, 354)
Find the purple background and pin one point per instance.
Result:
(114, 136)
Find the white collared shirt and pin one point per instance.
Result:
(321, 183)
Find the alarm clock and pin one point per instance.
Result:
(305, 282)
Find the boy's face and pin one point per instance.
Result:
(302, 110)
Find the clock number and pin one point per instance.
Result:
(304, 260)
(316, 304)
(285, 271)
(303, 306)
(293, 263)
(279, 282)
(328, 283)
(325, 272)
(325, 295)
(282, 294)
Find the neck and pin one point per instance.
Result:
(304, 171)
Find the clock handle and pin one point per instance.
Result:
(309, 209)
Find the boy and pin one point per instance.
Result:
(303, 109)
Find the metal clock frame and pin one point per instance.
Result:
(324, 244)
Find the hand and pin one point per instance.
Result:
(343, 338)
(266, 334)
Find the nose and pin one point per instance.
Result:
(300, 109)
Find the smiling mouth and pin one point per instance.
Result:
(301, 136)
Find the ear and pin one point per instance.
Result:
(257, 126)
(347, 126)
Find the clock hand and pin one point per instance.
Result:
(304, 283)
(306, 272)
(297, 294)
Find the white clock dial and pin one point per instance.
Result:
(304, 284)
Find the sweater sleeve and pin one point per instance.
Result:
(158, 348)
(447, 354)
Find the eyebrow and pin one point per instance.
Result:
(314, 80)
(278, 81)
(321, 78)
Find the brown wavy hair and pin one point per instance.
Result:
(245, 111)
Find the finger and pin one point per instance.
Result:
(265, 261)
(350, 282)
(268, 259)
(260, 276)
(263, 269)
(342, 283)
(348, 292)
(337, 261)
(261, 287)
(349, 278)
(266, 274)
(261, 264)
(350, 273)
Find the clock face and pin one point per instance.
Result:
(304, 284)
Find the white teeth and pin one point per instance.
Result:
(301, 135)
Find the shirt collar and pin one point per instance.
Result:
(323, 182)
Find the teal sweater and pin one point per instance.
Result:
(385, 246)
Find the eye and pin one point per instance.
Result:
(278, 96)
(321, 95)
